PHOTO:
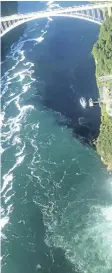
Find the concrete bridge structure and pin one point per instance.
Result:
(93, 12)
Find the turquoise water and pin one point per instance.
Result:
(56, 193)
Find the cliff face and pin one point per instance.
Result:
(102, 52)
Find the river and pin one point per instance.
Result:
(56, 193)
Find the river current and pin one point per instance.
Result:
(56, 193)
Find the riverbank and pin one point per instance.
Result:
(102, 52)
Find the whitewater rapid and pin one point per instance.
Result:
(11, 124)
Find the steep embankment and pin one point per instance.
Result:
(102, 52)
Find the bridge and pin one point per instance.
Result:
(93, 12)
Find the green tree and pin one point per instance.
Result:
(102, 50)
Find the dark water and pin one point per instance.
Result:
(65, 64)
(56, 194)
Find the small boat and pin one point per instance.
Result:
(91, 104)
(83, 102)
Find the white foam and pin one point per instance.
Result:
(32, 29)
(4, 221)
(9, 209)
(16, 140)
(2, 115)
(21, 151)
(34, 145)
(20, 159)
(12, 94)
(7, 190)
(26, 87)
(22, 55)
(50, 19)
(23, 109)
(7, 178)
(9, 101)
(38, 266)
(14, 123)
(2, 150)
(90, 237)
(107, 213)
(28, 63)
(21, 74)
(39, 40)
(7, 199)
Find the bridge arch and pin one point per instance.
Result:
(89, 12)
(77, 16)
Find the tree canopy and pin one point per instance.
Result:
(102, 50)
(104, 141)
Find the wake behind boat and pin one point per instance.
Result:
(83, 102)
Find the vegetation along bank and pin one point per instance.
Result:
(102, 52)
